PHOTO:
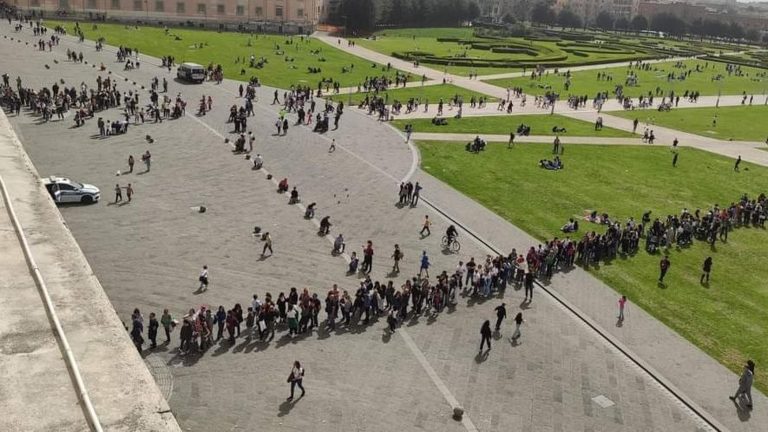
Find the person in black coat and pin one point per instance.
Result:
(485, 333)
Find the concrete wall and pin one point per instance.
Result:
(123, 392)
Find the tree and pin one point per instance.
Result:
(567, 18)
(621, 23)
(399, 10)
(522, 9)
(735, 31)
(542, 13)
(508, 19)
(473, 10)
(753, 35)
(360, 15)
(639, 23)
(668, 23)
(604, 20)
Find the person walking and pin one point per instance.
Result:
(705, 269)
(136, 330)
(425, 226)
(267, 244)
(203, 278)
(501, 313)
(622, 303)
(738, 162)
(118, 193)
(296, 378)
(152, 330)
(397, 255)
(129, 192)
(367, 257)
(518, 322)
(745, 383)
(416, 194)
(424, 267)
(147, 159)
(130, 163)
(485, 333)
(167, 321)
(663, 268)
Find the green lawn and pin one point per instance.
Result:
(430, 93)
(727, 319)
(754, 81)
(540, 125)
(739, 123)
(223, 48)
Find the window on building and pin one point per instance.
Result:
(115, 4)
(240, 10)
(91, 4)
(64, 4)
(34, 3)
(138, 5)
(279, 11)
(159, 6)
(201, 8)
(258, 11)
(180, 7)
(300, 13)
(221, 9)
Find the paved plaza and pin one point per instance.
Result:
(565, 375)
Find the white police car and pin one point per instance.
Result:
(64, 190)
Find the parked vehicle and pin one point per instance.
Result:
(192, 72)
(64, 190)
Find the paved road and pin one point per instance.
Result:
(148, 253)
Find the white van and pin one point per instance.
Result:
(191, 72)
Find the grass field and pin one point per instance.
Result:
(430, 93)
(727, 318)
(540, 125)
(754, 81)
(739, 123)
(426, 41)
(223, 48)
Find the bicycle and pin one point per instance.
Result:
(454, 246)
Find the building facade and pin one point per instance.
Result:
(294, 16)
(588, 10)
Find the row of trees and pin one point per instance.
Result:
(363, 15)
(543, 13)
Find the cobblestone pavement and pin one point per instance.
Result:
(148, 253)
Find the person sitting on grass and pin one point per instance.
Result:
(558, 129)
(439, 121)
(552, 165)
(571, 226)
(477, 145)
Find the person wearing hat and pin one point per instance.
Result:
(501, 313)
(745, 383)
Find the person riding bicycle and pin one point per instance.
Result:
(451, 234)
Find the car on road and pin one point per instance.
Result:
(64, 190)
(191, 72)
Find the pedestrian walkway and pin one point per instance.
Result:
(524, 139)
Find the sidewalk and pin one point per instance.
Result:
(40, 394)
(466, 137)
